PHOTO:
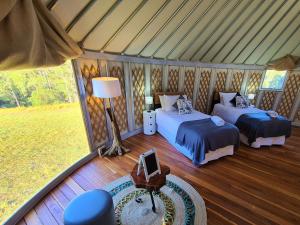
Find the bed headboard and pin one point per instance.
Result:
(216, 97)
(156, 100)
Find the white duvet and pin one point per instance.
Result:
(171, 120)
(231, 114)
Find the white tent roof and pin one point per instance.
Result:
(218, 31)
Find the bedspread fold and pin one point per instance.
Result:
(255, 125)
(202, 136)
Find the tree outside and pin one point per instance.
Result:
(41, 131)
(37, 87)
(274, 79)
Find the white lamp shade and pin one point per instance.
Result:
(106, 87)
(149, 100)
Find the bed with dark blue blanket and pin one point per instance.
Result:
(202, 136)
(254, 125)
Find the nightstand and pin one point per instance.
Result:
(149, 122)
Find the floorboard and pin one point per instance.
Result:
(252, 187)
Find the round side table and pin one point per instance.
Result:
(154, 184)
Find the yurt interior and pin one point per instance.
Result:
(149, 112)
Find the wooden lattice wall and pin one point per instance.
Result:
(267, 100)
(289, 94)
(89, 69)
(220, 80)
(189, 83)
(173, 79)
(156, 79)
(203, 91)
(120, 102)
(253, 84)
(138, 87)
(237, 80)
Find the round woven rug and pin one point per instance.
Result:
(177, 203)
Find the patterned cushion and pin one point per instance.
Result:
(242, 102)
(184, 106)
(175, 104)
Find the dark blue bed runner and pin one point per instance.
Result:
(200, 136)
(255, 125)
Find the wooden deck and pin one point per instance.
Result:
(251, 187)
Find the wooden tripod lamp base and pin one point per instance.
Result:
(117, 148)
(109, 87)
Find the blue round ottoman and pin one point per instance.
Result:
(91, 208)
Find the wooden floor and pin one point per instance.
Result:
(251, 187)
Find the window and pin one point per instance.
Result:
(41, 131)
(274, 80)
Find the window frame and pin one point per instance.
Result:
(273, 89)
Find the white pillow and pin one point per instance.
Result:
(169, 101)
(225, 98)
(162, 101)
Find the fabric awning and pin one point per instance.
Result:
(288, 62)
(31, 37)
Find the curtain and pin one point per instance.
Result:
(288, 62)
(31, 37)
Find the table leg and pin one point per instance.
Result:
(152, 200)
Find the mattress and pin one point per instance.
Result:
(168, 123)
(231, 114)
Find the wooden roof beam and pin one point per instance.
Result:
(226, 28)
(163, 26)
(108, 12)
(270, 45)
(146, 25)
(137, 9)
(237, 29)
(270, 31)
(203, 29)
(52, 4)
(259, 30)
(192, 28)
(80, 14)
(248, 30)
(178, 26)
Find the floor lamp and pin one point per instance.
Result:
(108, 88)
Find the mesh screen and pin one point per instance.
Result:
(237, 81)
(189, 81)
(120, 102)
(156, 80)
(173, 80)
(138, 86)
(94, 105)
(267, 100)
(289, 94)
(202, 97)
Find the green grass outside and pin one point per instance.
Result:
(36, 144)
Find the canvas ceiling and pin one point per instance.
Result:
(218, 31)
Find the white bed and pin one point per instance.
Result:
(168, 123)
(231, 114)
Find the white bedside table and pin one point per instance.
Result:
(149, 122)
